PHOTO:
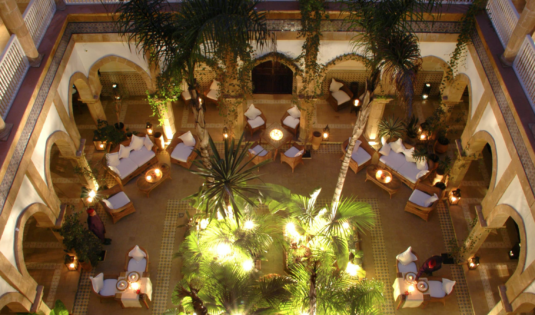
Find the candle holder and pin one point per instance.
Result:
(225, 133)
(383, 176)
(473, 263)
(149, 128)
(71, 262)
(276, 134)
(454, 196)
(326, 133)
(153, 175)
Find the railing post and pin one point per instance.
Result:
(524, 26)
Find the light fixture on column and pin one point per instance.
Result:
(356, 102)
(426, 91)
(71, 262)
(454, 196)
(149, 128)
(225, 132)
(473, 263)
(326, 133)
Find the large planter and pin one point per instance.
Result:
(119, 126)
(409, 142)
(86, 266)
(316, 140)
(441, 147)
(158, 140)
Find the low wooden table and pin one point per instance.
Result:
(147, 186)
(391, 187)
(276, 144)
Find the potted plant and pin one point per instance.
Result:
(444, 166)
(77, 238)
(390, 128)
(441, 145)
(420, 153)
(108, 134)
(411, 130)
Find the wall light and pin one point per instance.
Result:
(149, 128)
(326, 133)
(225, 132)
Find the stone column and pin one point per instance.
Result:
(525, 26)
(89, 181)
(60, 5)
(239, 122)
(376, 114)
(10, 13)
(4, 35)
(306, 124)
(95, 108)
(476, 238)
(168, 117)
(68, 123)
(460, 166)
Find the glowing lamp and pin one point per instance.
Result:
(157, 172)
(454, 196)
(149, 128)
(411, 288)
(149, 178)
(89, 199)
(473, 263)
(247, 265)
(379, 174)
(352, 269)
(356, 103)
(422, 137)
(71, 262)
(134, 286)
(326, 132)
(428, 84)
(92, 193)
(225, 132)
(426, 91)
(388, 179)
(372, 141)
(200, 101)
(438, 178)
(276, 134)
(117, 97)
(114, 85)
(101, 146)
(425, 96)
(249, 225)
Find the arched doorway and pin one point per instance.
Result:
(272, 77)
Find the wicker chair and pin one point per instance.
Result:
(287, 124)
(437, 292)
(258, 154)
(363, 156)
(411, 267)
(334, 102)
(212, 95)
(190, 158)
(141, 266)
(252, 129)
(104, 286)
(117, 205)
(421, 193)
(289, 157)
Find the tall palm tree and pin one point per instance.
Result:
(390, 47)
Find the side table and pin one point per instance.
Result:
(147, 186)
(391, 187)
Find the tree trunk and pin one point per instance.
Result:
(200, 127)
(360, 124)
(198, 304)
(312, 290)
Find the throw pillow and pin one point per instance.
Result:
(108, 204)
(124, 152)
(357, 145)
(421, 164)
(137, 253)
(137, 142)
(397, 146)
(385, 150)
(335, 86)
(188, 139)
(408, 155)
(113, 159)
(294, 112)
(406, 257)
(98, 282)
(430, 200)
(447, 285)
(214, 85)
(116, 170)
(421, 173)
(299, 153)
(252, 112)
(147, 143)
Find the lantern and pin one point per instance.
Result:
(454, 196)
(326, 132)
(149, 128)
(426, 91)
(276, 134)
(473, 263)
(225, 132)
(356, 102)
(71, 262)
(114, 86)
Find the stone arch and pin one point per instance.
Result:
(475, 145)
(524, 303)
(282, 58)
(16, 302)
(94, 80)
(83, 87)
(343, 58)
(44, 217)
(431, 58)
(66, 148)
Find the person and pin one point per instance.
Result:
(430, 265)
(95, 225)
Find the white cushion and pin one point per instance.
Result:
(181, 152)
(421, 174)
(385, 150)
(406, 257)
(257, 122)
(447, 285)
(411, 267)
(291, 122)
(357, 146)
(294, 112)
(124, 152)
(421, 164)
(214, 85)
(397, 146)
(213, 94)
(137, 142)
(137, 265)
(186, 95)
(408, 155)
(258, 150)
(361, 156)
(117, 201)
(341, 97)
(142, 156)
(137, 253)
(115, 170)
(109, 287)
(430, 200)
(112, 159)
(393, 160)
(126, 167)
(147, 142)
(435, 289)
(97, 282)
(335, 86)
(252, 112)
(419, 198)
(188, 139)
(293, 152)
(409, 171)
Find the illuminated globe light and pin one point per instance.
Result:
(345, 225)
(276, 134)
(223, 249)
(248, 265)
(249, 225)
(352, 269)
(203, 224)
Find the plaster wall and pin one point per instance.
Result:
(52, 124)
(489, 124)
(530, 288)
(290, 48)
(64, 89)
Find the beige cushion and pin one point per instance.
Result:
(436, 289)
(294, 112)
(385, 150)
(430, 200)
(124, 152)
(214, 85)
(112, 159)
(341, 97)
(97, 282)
(293, 152)
(397, 146)
(409, 171)
(181, 152)
(137, 142)
(406, 257)
(117, 201)
(252, 112)
(394, 160)
(257, 122)
(447, 285)
(291, 122)
(137, 253)
(408, 155)
(186, 95)
(188, 139)
(126, 167)
(421, 164)
(213, 94)
(137, 265)
(335, 85)
(258, 150)
(361, 156)
(109, 287)
(411, 267)
(142, 156)
(148, 143)
(419, 198)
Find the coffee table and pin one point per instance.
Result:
(276, 144)
(146, 184)
(391, 187)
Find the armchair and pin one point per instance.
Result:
(104, 286)
(117, 205)
(340, 98)
(439, 290)
(293, 156)
(421, 202)
(137, 259)
(362, 157)
(258, 154)
(212, 94)
(406, 262)
(180, 153)
(290, 123)
(258, 123)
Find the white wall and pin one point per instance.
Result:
(52, 124)
(290, 48)
(489, 124)
(514, 197)
(73, 65)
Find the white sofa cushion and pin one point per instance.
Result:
(430, 200)
(213, 94)
(214, 85)
(408, 155)
(112, 159)
(181, 152)
(137, 253)
(252, 112)
(258, 150)
(137, 142)
(109, 287)
(335, 85)
(257, 122)
(97, 282)
(393, 160)
(142, 156)
(294, 112)
(411, 267)
(291, 122)
(397, 146)
(406, 257)
(293, 152)
(409, 171)
(435, 289)
(124, 152)
(447, 285)
(419, 198)
(137, 265)
(361, 156)
(186, 95)
(148, 143)
(188, 139)
(341, 97)
(421, 164)
(117, 201)
(126, 167)
(385, 150)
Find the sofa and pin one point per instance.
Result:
(397, 159)
(360, 158)
(182, 149)
(131, 158)
(340, 95)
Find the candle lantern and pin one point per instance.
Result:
(356, 103)
(326, 133)
(454, 196)
(149, 128)
(473, 263)
(225, 133)
(114, 86)
(426, 91)
(71, 262)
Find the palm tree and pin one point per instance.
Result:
(391, 48)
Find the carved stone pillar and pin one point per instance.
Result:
(476, 238)
(376, 114)
(460, 166)
(306, 123)
(525, 26)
